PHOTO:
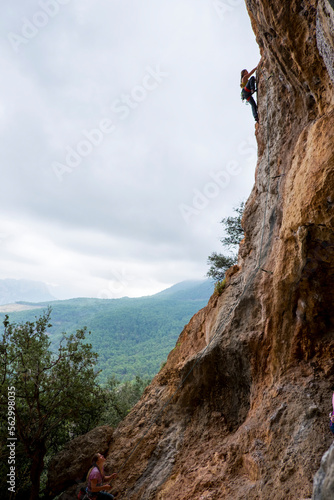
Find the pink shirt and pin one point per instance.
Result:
(95, 474)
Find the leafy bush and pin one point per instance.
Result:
(119, 398)
(220, 286)
(49, 391)
(219, 263)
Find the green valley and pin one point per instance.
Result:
(132, 336)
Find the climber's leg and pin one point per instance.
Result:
(254, 108)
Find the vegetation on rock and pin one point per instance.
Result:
(219, 263)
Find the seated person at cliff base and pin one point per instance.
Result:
(97, 488)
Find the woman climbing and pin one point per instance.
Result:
(97, 488)
(248, 85)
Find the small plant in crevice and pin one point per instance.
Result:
(220, 287)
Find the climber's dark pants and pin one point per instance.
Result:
(247, 94)
(251, 84)
(254, 107)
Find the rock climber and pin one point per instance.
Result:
(248, 85)
(97, 488)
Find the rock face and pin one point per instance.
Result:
(69, 467)
(324, 478)
(250, 420)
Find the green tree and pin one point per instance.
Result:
(219, 263)
(51, 389)
(120, 398)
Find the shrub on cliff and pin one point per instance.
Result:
(219, 263)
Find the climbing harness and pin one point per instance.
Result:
(219, 330)
(250, 92)
(246, 93)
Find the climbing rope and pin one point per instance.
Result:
(247, 285)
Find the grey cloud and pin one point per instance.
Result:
(122, 201)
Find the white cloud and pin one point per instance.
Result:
(119, 208)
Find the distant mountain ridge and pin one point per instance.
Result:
(191, 290)
(29, 292)
(12, 290)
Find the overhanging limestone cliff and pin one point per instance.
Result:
(251, 418)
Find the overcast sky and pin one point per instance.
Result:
(124, 141)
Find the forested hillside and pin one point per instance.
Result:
(131, 335)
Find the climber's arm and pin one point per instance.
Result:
(253, 71)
